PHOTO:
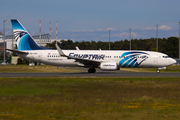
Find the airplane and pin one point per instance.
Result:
(109, 60)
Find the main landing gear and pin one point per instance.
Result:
(91, 70)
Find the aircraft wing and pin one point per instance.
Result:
(86, 62)
(18, 52)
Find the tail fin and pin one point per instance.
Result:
(23, 38)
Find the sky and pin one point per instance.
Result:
(87, 20)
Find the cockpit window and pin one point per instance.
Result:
(165, 56)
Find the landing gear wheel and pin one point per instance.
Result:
(158, 71)
(91, 70)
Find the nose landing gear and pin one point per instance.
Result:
(160, 68)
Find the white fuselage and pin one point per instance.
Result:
(123, 58)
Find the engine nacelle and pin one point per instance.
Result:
(109, 66)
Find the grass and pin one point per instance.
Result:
(172, 68)
(33, 69)
(89, 98)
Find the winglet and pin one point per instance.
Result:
(60, 51)
(77, 48)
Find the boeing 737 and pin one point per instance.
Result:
(103, 59)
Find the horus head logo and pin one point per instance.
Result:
(132, 59)
(18, 34)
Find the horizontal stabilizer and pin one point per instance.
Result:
(16, 51)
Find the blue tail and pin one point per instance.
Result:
(23, 38)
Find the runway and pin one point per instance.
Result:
(97, 74)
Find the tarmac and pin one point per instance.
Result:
(98, 73)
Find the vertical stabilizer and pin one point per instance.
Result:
(23, 38)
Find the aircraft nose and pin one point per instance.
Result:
(172, 61)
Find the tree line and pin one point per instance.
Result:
(169, 46)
